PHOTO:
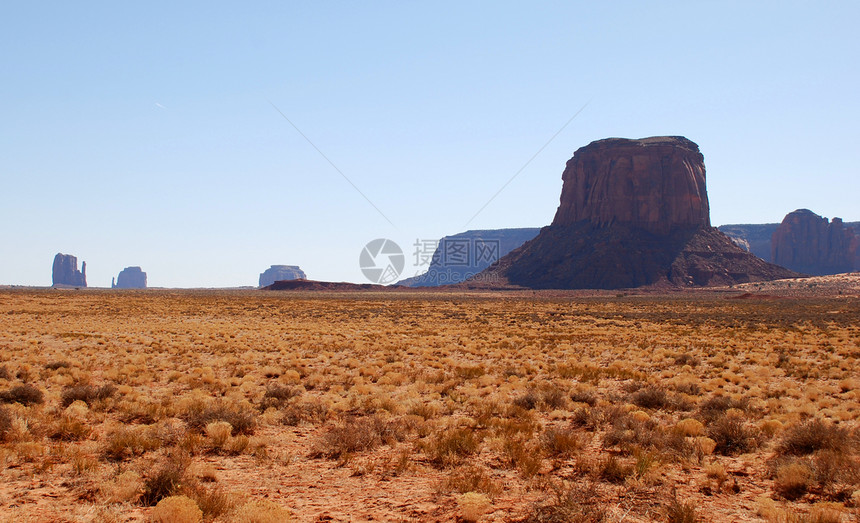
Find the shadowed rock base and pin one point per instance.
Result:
(584, 256)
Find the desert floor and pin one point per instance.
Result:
(266, 406)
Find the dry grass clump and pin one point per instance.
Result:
(471, 478)
(678, 511)
(716, 406)
(652, 397)
(241, 419)
(176, 509)
(562, 442)
(86, 393)
(277, 396)
(357, 435)
(814, 435)
(793, 479)
(126, 442)
(165, 479)
(732, 435)
(24, 394)
(449, 446)
(569, 505)
(5, 423)
(261, 511)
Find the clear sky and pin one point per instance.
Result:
(143, 133)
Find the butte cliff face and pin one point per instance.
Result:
(807, 243)
(65, 271)
(654, 184)
(633, 213)
(281, 273)
(130, 278)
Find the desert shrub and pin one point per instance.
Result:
(356, 435)
(452, 445)
(261, 511)
(471, 478)
(584, 396)
(23, 394)
(176, 509)
(716, 406)
(793, 479)
(68, 428)
(681, 512)
(813, 435)
(524, 455)
(4, 373)
(5, 423)
(165, 480)
(126, 442)
(277, 396)
(311, 410)
(687, 359)
(559, 442)
(631, 434)
(213, 502)
(242, 420)
(573, 505)
(834, 467)
(731, 435)
(126, 487)
(56, 365)
(219, 432)
(86, 393)
(651, 398)
(528, 401)
(613, 470)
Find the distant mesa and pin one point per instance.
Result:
(459, 257)
(808, 243)
(66, 273)
(130, 278)
(281, 273)
(632, 213)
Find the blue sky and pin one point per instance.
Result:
(144, 134)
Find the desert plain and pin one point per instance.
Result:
(242, 406)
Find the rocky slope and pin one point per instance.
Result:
(459, 257)
(65, 271)
(808, 243)
(632, 213)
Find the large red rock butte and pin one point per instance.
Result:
(632, 213)
(808, 243)
(655, 184)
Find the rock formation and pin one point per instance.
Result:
(130, 278)
(632, 213)
(807, 243)
(754, 238)
(281, 273)
(654, 184)
(461, 256)
(65, 271)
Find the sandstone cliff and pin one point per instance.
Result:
(808, 243)
(65, 271)
(281, 273)
(130, 278)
